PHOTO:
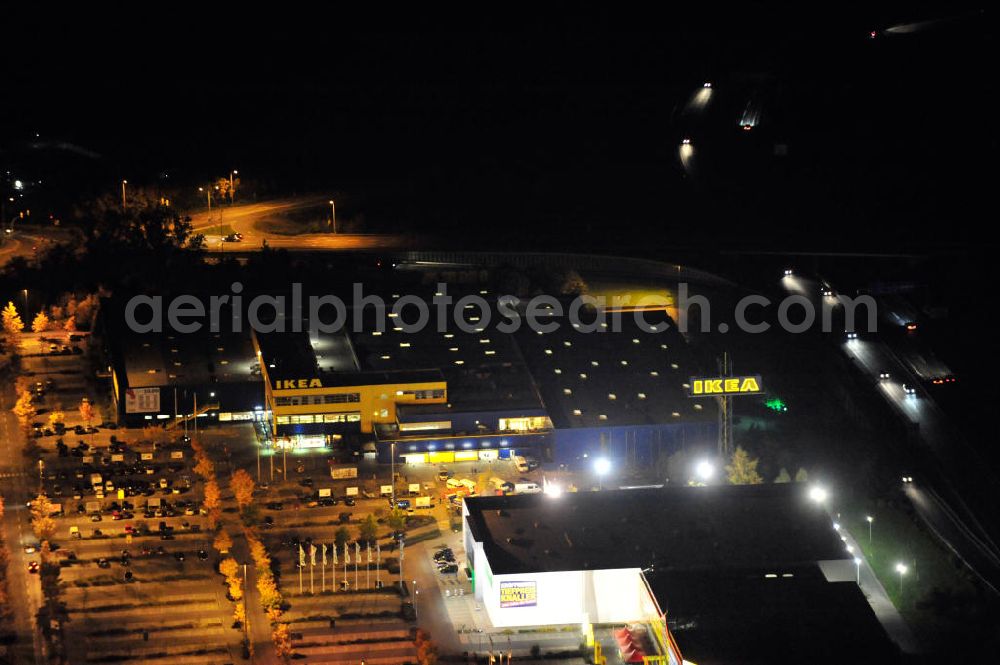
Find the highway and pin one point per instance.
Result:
(950, 478)
(245, 218)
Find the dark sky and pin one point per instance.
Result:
(574, 126)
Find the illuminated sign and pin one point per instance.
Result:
(296, 384)
(142, 400)
(518, 594)
(726, 385)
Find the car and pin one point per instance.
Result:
(160, 551)
(179, 556)
(268, 522)
(275, 505)
(883, 376)
(202, 555)
(349, 501)
(852, 336)
(443, 475)
(328, 501)
(306, 482)
(941, 380)
(33, 567)
(30, 549)
(95, 518)
(128, 575)
(103, 563)
(233, 237)
(911, 326)
(909, 390)
(450, 569)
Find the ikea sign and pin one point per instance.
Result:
(297, 384)
(725, 385)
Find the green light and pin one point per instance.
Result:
(775, 404)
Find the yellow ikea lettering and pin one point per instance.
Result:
(697, 387)
(749, 385)
(713, 386)
(732, 385)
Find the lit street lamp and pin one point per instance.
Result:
(124, 201)
(601, 467)
(818, 494)
(870, 520)
(232, 185)
(704, 470)
(208, 194)
(901, 569)
(857, 563)
(333, 216)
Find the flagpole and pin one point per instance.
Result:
(368, 566)
(323, 571)
(357, 555)
(378, 564)
(302, 562)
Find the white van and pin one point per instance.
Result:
(527, 488)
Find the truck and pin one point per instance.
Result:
(414, 489)
(351, 491)
(324, 493)
(153, 503)
(469, 485)
(93, 507)
(526, 488)
(96, 481)
(500, 485)
(385, 490)
(118, 458)
(342, 471)
(423, 502)
(520, 464)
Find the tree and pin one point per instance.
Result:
(24, 409)
(341, 537)
(367, 531)
(742, 469)
(12, 324)
(212, 503)
(783, 476)
(56, 417)
(70, 324)
(282, 641)
(243, 486)
(240, 613)
(222, 543)
(397, 519)
(801, 475)
(86, 411)
(205, 467)
(228, 567)
(41, 323)
(41, 517)
(427, 653)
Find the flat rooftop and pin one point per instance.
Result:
(766, 528)
(733, 618)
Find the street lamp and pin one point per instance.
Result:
(208, 194)
(857, 564)
(818, 494)
(705, 470)
(232, 184)
(901, 569)
(333, 216)
(601, 466)
(870, 520)
(124, 202)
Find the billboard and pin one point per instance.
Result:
(725, 385)
(142, 400)
(518, 594)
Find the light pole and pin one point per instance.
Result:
(232, 185)
(901, 569)
(208, 194)
(392, 472)
(857, 563)
(601, 467)
(416, 604)
(26, 312)
(333, 216)
(870, 520)
(124, 201)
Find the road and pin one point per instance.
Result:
(17, 486)
(944, 458)
(244, 218)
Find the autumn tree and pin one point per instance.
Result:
(41, 323)
(86, 411)
(56, 417)
(427, 652)
(240, 613)
(24, 410)
(396, 519)
(222, 543)
(367, 530)
(41, 518)
(282, 641)
(12, 323)
(243, 486)
(205, 467)
(742, 469)
(212, 503)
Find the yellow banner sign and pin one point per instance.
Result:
(726, 385)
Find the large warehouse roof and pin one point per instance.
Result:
(758, 527)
